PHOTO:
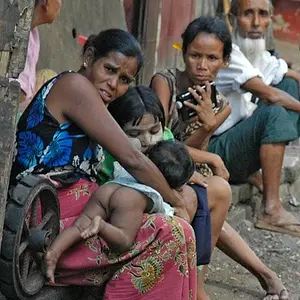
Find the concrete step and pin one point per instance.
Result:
(291, 164)
(237, 214)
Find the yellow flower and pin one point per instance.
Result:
(177, 46)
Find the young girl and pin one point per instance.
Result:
(140, 114)
(122, 202)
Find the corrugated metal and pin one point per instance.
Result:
(176, 15)
(206, 7)
(287, 21)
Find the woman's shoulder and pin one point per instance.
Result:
(73, 84)
(167, 73)
(169, 76)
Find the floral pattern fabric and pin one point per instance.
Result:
(44, 145)
(160, 265)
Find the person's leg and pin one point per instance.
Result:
(257, 180)
(232, 244)
(291, 87)
(219, 200)
(190, 200)
(258, 142)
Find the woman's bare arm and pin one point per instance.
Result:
(213, 160)
(162, 90)
(201, 137)
(75, 98)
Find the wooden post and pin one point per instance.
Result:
(150, 39)
(15, 23)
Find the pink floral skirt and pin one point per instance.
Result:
(160, 265)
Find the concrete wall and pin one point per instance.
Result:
(59, 50)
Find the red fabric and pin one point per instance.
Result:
(161, 264)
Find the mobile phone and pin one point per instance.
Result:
(186, 112)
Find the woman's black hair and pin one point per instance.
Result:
(209, 25)
(135, 104)
(114, 40)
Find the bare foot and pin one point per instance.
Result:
(50, 261)
(256, 180)
(274, 287)
(282, 221)
(95, 227)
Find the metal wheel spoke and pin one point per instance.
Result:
(37, 258)
(46, 219)
(34, 211)
(25, 265)
(26, 231)
(23, 247)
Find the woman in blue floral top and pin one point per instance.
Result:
(61, 135)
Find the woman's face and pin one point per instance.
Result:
(112, 74)
(204, 58)
(149, 131)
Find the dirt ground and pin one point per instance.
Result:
(229, 281)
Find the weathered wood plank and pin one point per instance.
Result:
(15, 22)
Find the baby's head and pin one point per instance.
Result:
(174, 162)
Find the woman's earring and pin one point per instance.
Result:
(85, 65)
(227, 64)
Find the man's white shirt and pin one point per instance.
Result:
(229, 81)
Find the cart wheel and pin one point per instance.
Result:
(31, 223)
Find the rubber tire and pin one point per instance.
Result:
(18, 203)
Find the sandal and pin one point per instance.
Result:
(281, 228)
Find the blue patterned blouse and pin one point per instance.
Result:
(45, 146)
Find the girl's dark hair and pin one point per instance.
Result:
(174, 162)
(209, 25)
(134, 104)
(114, 40)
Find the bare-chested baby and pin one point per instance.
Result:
(123, 201)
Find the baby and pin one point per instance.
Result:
(123, 201)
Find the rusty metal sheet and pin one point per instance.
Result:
(287, 20)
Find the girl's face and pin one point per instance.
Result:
(111, 75)
(204, 58)
(149, 131)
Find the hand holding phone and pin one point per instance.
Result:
(199, 102)
(189, 103)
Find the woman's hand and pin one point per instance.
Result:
(182, 213)
(218, 167)
(198, 179)
(203, 107)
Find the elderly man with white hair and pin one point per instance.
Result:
(264, 97)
